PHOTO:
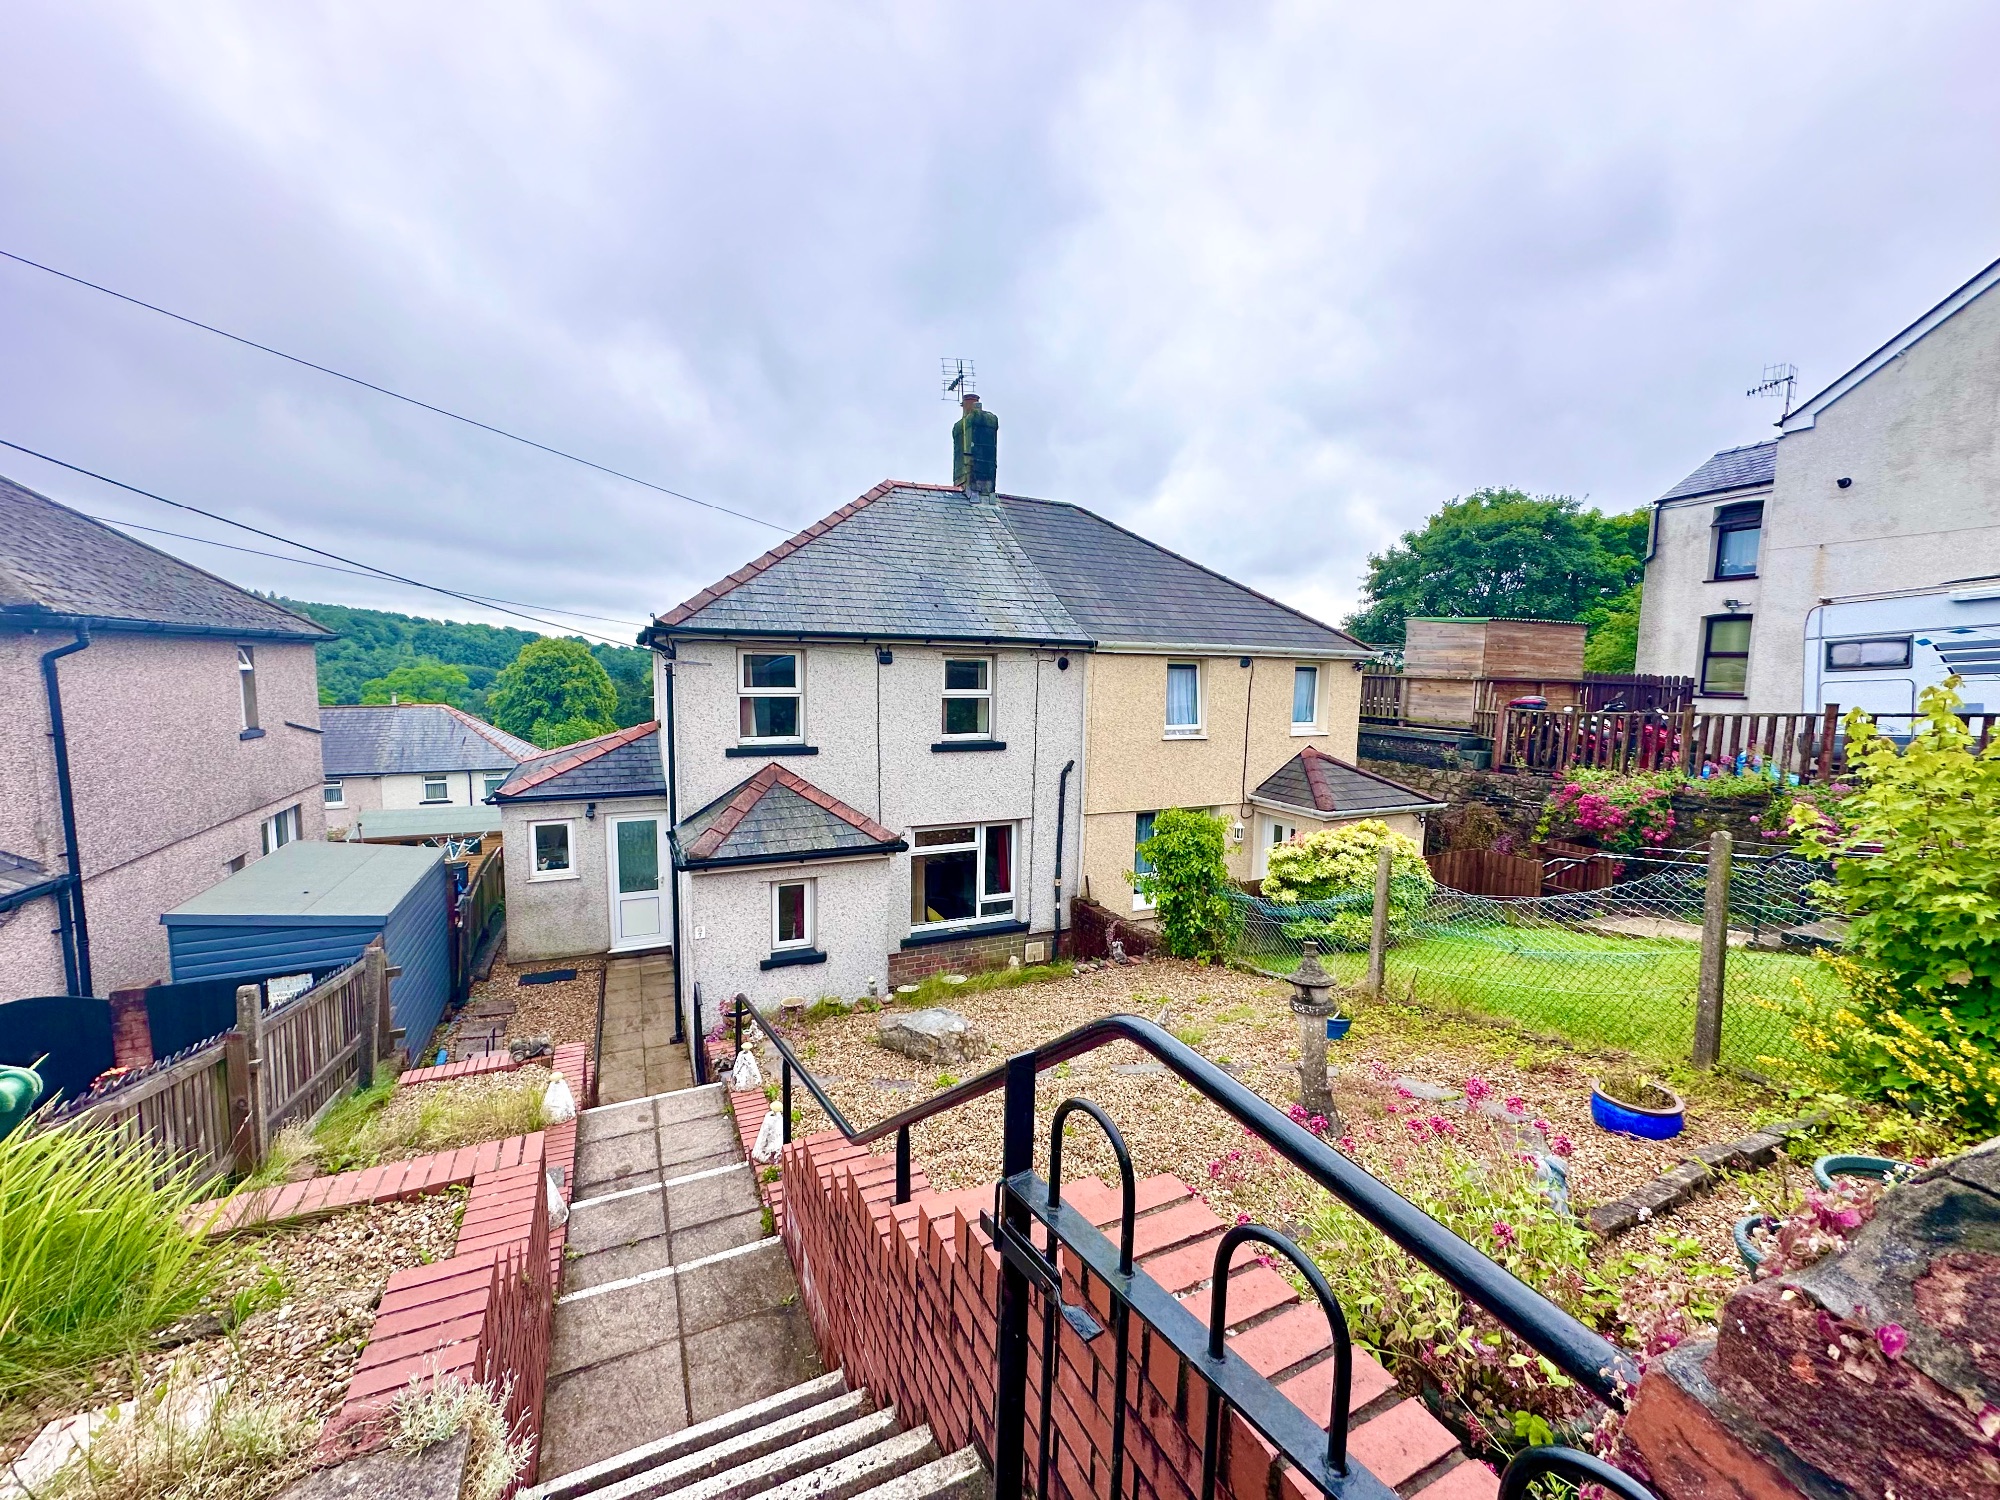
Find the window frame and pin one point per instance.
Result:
(1198, 730)
(1908, 644)
(492, 781)
(568, 872)
(1747, 515)
(951, 694)
(981, 897)
(286, 821)
(246, 686)
(1311, 725)
(800, 944)
(1709, 653)
(428, 780)
(1139, 901)
(746, 693)
(335, 785)
(1272, 824)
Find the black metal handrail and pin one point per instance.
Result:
(1582, 1354)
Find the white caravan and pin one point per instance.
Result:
(1878, 651)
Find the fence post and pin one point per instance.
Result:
(1829, 723)
(1714, 952)
(370, 982)
(1378, 931)
(254, 1140)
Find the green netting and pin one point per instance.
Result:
(1616, 967)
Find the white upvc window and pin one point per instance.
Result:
(791, 915)
(494, 781)
(550, 843)
(968, 698)
(334, 794)
(437, 788)
(1184, 700)
(962, 875)
(246, 681)
(1305, 700)
(770, 694)
(280, 829)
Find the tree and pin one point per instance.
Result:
(554, 693)
(420, 681)
(1613, 642)
(1188, 883)
(1504, 554)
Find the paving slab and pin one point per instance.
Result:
(604, 1166)
(619, 1263)
(613, 1324)
(727, 1233)
(690, 1104)
(749, 1358)
(602, 1223)
(593, 1413)
(607, 1121)
(685, 1140)
(756, 1281)
(711, 1197)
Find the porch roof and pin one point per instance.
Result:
(774, 817)
(1314, 781)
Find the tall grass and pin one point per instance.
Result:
(385, 1123)
(96, 1251)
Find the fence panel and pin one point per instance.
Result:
(1794, 746)
(472, 916)
(180, 1105)
(1487, 872)
(310, 1047)
(1381, 696)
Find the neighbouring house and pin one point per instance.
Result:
(1855, 557)
(161, 732)
(1314, 791)
(411, 755)
(585, 828)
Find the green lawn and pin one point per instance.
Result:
(1637, 994)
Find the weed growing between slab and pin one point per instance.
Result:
(426, 1415)
(96, 1252)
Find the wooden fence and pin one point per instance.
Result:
(472, 915)
(214, 1107)
(1803, 745)
(1542, 869)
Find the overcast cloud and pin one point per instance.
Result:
(1267, 283)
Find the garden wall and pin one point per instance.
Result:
(1096, 926)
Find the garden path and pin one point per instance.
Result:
(640, 1056)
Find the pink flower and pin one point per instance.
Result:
(1392, 1108)
(1503, 1233)
(1562, 1145)
(1893, 1339)
(1441, 1126)
(1477, 1089)
(1214, 1169)
(1243, 1218)
(1416, 1128)
(1516, 1105)
(1346, 1143)
(1317, 1125)
(1401, 1089)
(1543, 1126)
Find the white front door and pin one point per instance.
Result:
(1275, 833)
(638, 883)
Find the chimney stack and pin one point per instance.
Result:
(975, 447)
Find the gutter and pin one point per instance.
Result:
(11, 899)
(795, 857)
(39, 619)
(75, 925)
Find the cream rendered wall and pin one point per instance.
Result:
(1679, 595)
(167, 792)
(1133, 767)
(408, 791)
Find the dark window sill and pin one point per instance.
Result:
(435, 802)
(1734, 578)
(1736, 697)
(743, 752)
(946, 747)
(971, 930)
(792, 959)
(251, 734)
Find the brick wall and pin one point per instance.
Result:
(904, 1299)
(1096, 926)
(908, 965)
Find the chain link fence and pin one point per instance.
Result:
(1617, 967)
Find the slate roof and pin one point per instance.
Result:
(57, 562)
(1314, 779)
(776, 816)
(401, 739)
(624, 763)
(1731, 469)
(917, 561)
(17, 873)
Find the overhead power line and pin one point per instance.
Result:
(383, 390)
(272, 536)
(304, 562)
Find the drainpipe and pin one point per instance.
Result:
(673, 847)
(75, 928)
(1062, 806)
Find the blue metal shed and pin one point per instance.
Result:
(312, 905)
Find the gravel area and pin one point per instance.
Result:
(565, 1011)
(310, 1292)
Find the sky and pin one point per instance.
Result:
(1266, 283)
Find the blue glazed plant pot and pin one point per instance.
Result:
(1337, 1026)
(1632, 1119)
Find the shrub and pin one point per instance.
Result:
(95, 1251)
(1188, 883)
(1623, 814)
(1338, 865)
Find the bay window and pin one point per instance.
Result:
(963, 874)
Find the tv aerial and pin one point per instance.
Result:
(958, 379)
(1779, 380)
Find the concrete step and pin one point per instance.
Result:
(813, 1407)
(761, 1475)
(956, 1476)
(869, 1469)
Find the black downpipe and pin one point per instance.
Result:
(1062, 806)
(673, 864)
(75, 926)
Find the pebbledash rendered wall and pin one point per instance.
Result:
(871, 727)
(167, 791)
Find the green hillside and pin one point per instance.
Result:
(373, 642)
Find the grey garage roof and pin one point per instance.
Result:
(1317, 781)
(56, 562)
(1731, 469)
(403, 739)
(775, 817)
(624, 763)
(913, 561)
